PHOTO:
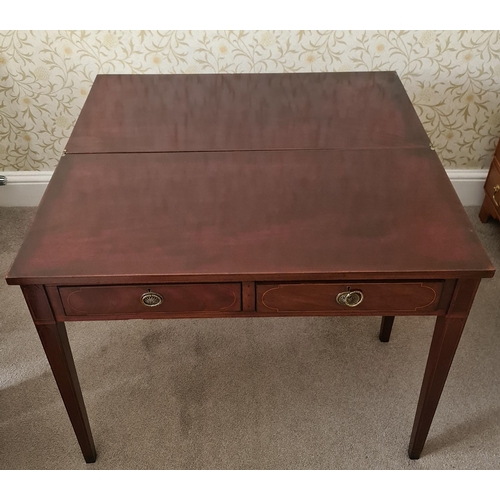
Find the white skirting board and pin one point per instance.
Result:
(25, 189)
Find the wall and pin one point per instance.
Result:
(452, 78)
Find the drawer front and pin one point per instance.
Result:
(492, 186)
(410, 297)
(150, 299)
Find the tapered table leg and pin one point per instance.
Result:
(447, 333)
(386, 328)
(56, 346)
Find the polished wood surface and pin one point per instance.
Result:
(246, 216)
(161, 113)
(249, 195)
(202, 300)
(126, 300)
(491, 203)
(447, 333)
(378, 298)
(57, 349)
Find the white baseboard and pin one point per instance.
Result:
(469, 185)
(25, 189)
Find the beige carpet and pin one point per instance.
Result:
(308, 393)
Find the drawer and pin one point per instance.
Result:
(150, 299)
(492, 185)
(397, 297)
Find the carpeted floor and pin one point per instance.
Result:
(307, 393)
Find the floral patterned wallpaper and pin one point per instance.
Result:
(452, 78)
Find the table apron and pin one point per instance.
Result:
(251, 299)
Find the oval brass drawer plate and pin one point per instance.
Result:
(351, 298)
(407, 297)
(150, 299)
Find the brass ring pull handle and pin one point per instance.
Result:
(350, 298)
(495, 191)
(151, 299)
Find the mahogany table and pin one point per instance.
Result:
(196, 196)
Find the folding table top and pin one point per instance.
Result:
(237, 112)
(248, 177)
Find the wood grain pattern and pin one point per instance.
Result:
(249, 216)
(248, 296)
(235, 112)
(399, 298)
(249, 195)
(57, 349)
(462, 298)
(126, 300)
(38, 304)
(445, 340)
